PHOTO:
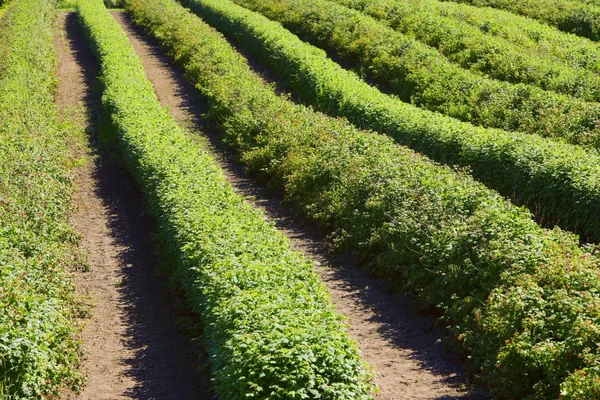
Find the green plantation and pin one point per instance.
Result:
(269, 326)
(580, 17)
(473, 48)
(418, 74)
(38, 342)
(451, 149)
(549, 176)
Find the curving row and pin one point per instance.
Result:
(446, 27)
(581, 17)
(520, 300)
(559, 182)
(269, 327)
(39, 348)
(420, 75)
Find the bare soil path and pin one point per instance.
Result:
(394, 338)
(132, 349)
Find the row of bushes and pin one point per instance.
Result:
(519, 299)
(270, 329)
(39, 348)
(472, 48)
(557, 181)
(524, 33)
(581, 17)
(419, 74)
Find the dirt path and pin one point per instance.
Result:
(393, 337)
(132, 348)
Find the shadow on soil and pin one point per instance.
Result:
(402, 325)
(165, 359)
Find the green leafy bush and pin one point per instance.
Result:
(39, 348)
(523, 33)
(472, 48)
(113, 3)
(419, 74)
(270, 329)
(509, 289)
(581, 17)
(556, 181)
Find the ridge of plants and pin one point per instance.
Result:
(521, 301)
(473, 48)
(39, 344)
(557, 181)
(270, 329)
(420, 75)
(581, 17)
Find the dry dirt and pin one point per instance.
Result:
(132, 349)
(400, 343)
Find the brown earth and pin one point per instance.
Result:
(400, 343)
(132, 348)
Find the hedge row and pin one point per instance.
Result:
(269, 326)
(472, 48)
(581, 17)
(419, 74)
(39, 348)
(557, 181)
(525, 33)
(521, 300)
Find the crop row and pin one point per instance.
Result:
(520, 299)
(472, 48)
(558, 181)
(524, 33)
(419, 74)
(581, 17)
(39, 348)
(270, 329)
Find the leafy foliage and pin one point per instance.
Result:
(559, 182)
(39, 348)
(581, 17)
(509, 289)
(419, 74)
(113, 3)
(471, 47)
(523, 33)
(270, 328)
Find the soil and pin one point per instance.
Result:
(400, 343)
(131, 345)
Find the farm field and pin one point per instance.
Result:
(420, 75)
(577, 16)
(298, 199)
